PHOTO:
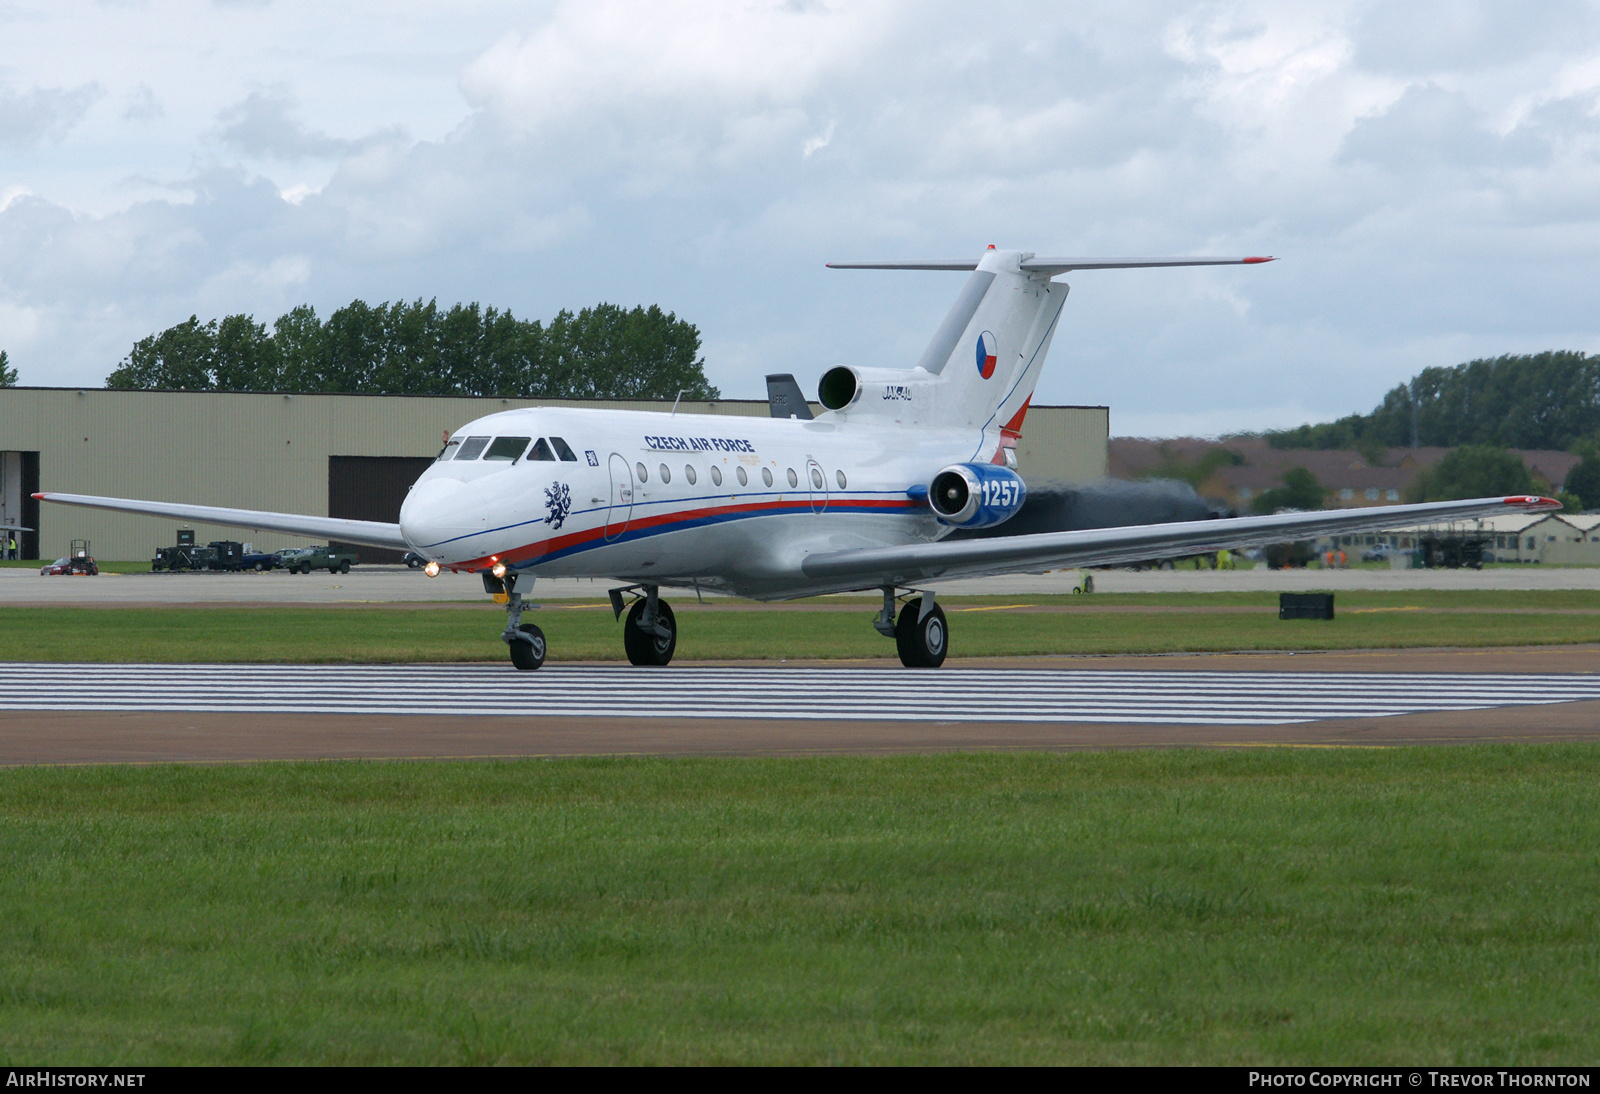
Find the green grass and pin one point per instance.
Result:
(1423, 905)
(980, 626)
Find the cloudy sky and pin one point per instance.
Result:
(1429, 174)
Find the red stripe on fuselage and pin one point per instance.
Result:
(661, 520)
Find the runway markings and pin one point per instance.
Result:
(860, 694)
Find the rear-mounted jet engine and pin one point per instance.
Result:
(976, 495)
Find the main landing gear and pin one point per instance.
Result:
(651, 633)
(921, 634)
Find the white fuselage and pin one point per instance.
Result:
(729, 503)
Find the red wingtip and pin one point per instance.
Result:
(1259, 258)
(1534, 502)
(38, 497)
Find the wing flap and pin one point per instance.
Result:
(1112, 546)
(369, 533)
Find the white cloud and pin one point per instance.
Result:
(1435, 192)
(819, 142)
(143, 105)
(43, 113)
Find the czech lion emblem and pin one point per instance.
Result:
(557, 499)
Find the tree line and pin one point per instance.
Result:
(1467, 471)
(1538, 400)
(603, 352)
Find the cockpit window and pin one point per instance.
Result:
(472, 448)
(541, 450)
(448, 450)
(506, 448)
(566, 454)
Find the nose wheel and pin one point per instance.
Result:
(524, 640)
(527, 652)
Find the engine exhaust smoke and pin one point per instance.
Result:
(1108, 503)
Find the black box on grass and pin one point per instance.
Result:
(1305, 605)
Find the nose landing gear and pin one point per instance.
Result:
(525, 640)
(650, 635)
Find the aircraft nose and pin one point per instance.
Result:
(432, 515)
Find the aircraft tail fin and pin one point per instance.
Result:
(985, 358)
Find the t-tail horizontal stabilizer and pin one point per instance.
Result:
(1053, 266)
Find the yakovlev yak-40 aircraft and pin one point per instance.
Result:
(860, 497)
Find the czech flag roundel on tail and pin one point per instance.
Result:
(986, 355)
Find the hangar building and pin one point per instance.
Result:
(340, 455)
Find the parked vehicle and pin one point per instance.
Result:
(226, 554)
(306, 559)
(1378, 552)
(1285, 556)
(172, 558)
(259, 560)
(78, 561)
(414, 560)
(81, 565)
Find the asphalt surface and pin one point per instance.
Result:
(240, 734)
(811, 693)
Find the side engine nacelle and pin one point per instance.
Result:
(976, 495)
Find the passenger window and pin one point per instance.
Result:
(644, 476)
(472, 448)
(794, 480)
(666, 473)
(566, 454)
(506, 448)
(840, 476)
(448, 450)
(541, 451)
(688, 473)
(816, 478)
(744, 480)
(716, 476)
(766, 475)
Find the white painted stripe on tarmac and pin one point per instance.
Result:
(858, 694)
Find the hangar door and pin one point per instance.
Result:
(19, 481)
(371, 488)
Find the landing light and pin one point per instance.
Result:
(431, 569)
(498, 569)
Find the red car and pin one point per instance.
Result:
(72, 564)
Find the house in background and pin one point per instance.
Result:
(1351, 479)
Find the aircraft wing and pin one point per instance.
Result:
(916, 562)
(371, 533)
